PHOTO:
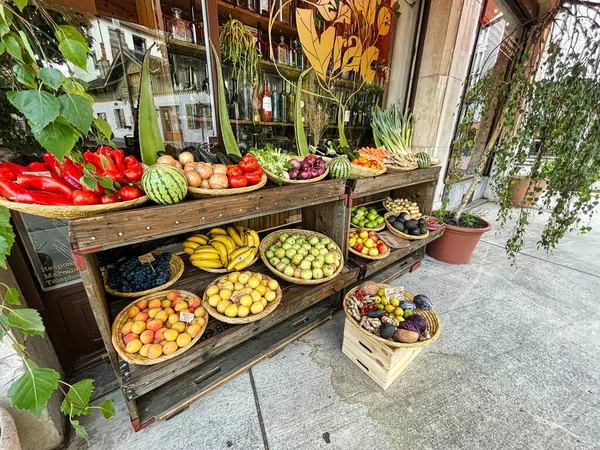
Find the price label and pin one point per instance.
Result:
(186, 317)
(37, 174)
(394, 292)
(359, 215)
(147, 258)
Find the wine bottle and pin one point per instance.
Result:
(275, 103)
(266, 112)
(292, 53)
(256, 106)
(291, 104)
(283, 103)
(196, 25)
(282, 51)
(262, 42)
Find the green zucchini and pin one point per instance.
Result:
(301, 142)
(203, 156)
(235, 159)
(222, 159)
(229, 141)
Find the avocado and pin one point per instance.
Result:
(421, 221)
(411, 224)
(423, 228)
(391, 219)
(414, 232)
(387, 330)
(399, 226)
(403, 216)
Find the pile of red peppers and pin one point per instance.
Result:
(247, 173)
(56, 183)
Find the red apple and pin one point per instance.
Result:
(358, 247)
(381, 247)
(375, 238)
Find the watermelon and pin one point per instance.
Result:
(339, 167)
(164, 184)
(423, 160)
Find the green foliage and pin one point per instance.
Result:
(34, 388)
(550, 105)
(27, 320)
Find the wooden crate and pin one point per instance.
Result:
(380, 362)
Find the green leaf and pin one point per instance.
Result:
(84, 84)
(25, 76)
(12, 46)
(108, 409)
(75, 52)
(27, 320)
(7, 239)
(77, 400)
(33, 389)
(6, 15)
(2, 48)
(77, 111)
(68, 85)
(12, 296)
(107, 183)
(50, 77)
(3, 325)
(58, 138)
(80, 430)
(25, 42)
(64, 32)
(39, 107)
(89, 181)
(21, 3)
(104, 129)
(4, 28)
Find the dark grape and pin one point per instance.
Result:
(130, 275)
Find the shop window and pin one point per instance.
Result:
(139, 44)
(102, 116)
(120, 118)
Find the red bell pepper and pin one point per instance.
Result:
(10, 189)
(253, 178)
(42, 183)
(94, 160)
(107, 163)
(238, 181)
(70, 174)
(118, 157)
(37, 166)
(130, 193)
(134, 173)
(81, 198)
(42, 198)
(115, 176)
(109, 198)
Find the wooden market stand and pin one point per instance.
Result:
(163, 390)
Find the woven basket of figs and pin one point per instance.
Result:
(391, 315)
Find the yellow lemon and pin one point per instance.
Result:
(233, 277)
(255, 296)
(228, 285)
(214, 300)
(261, 289)
(257, 308)
(243, 311)
(253, 282)
(225, 294)
(212, 290)
(270, 296)
(223, 305)
(246, 301)
(273, 285)
(231, 311)
(243, 278)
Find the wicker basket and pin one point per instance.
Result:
(242, 320)
(274, 237)
(274, 178)
(357, 172)
(224, 269)
(433, 323)
(393, 169)
(136, 358)
(174, 273)
(434, 225)
(395, 232)
(380, 256)
(204, 193)
(72, 212)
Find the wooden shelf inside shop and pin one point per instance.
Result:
(220, 337)
(268, 124)
(185, 48)
(251, 18)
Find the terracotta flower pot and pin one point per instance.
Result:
(457, 244)
(519, 191)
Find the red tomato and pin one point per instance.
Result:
(235, 171)
(110, 198)
(253, 178)
(81, 198)
(130, 193)
(237, 181)
(249, 164)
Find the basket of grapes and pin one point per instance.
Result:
(143, 275)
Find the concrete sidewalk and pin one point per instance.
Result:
(517, 367)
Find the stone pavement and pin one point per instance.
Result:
(517, 366)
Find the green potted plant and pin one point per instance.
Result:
(549, 101)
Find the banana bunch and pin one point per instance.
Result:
(233, 248)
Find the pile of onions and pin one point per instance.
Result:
(310, 167)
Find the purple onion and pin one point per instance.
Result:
(293, 173)
(305, 174)
(295, 163)
(321, 170)
(306, 164)
(314, 173)
(319, 163)
(310, 159)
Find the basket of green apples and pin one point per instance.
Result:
(363, 217)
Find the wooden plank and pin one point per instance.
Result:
(137, 225)
(180, 392)
(332, 219)
(251, 18)
(369, 267)
(92, 283)
(143, 379)
(390, 181)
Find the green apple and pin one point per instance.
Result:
(296, 247)
(328, 270)
(303, 252)
(297, 258)
(286, 246)
(310, 258)
(313, 240)
(288, 270)
(280, 253)
(291, 241)
(317, 264)
(306, 274)
(318, 246)
(269, 254)
(314, 252)
(290, 253)
(329, 258)
(323, 251)
(325, 241)
(285, 260)
(317, 274)
(274, 260)
(305, 265)
(332, 246)
(283, 237)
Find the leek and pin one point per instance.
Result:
(301, 142)
(393, 130)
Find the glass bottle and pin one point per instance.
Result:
(263, 44)
(291, 100)
(275, 103)
(234, 112)
(265, 7)
(284, 11)
(292, 53)
(299, 55)
(360, 117)
(196, 25)
(178, 27)
(283, 104)
(256, 106)
(266, 112)
(282, 51)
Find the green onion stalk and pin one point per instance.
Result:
(393, 130)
